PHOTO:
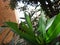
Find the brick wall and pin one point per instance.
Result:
(6, 14)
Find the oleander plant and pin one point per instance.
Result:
(46, 33)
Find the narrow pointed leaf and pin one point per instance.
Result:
(41, 24)
(28, 20)
(54, 30)
(25, 28)
(49, 22)
(14, 28)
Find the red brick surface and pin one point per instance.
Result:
(6, 14)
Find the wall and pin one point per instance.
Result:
(6, 14)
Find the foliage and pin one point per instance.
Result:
(42, 36)
(50, 7)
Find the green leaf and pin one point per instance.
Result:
(54, 30)
(42, 25)
(25, 28)
(40, 39)
(14, 28)
(49, 22)
(28, 20)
